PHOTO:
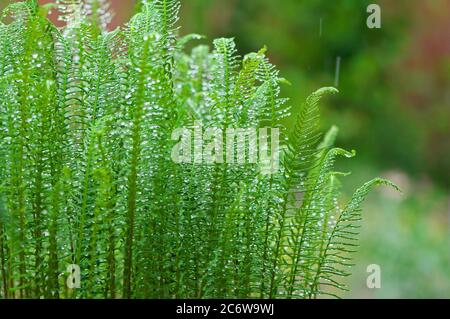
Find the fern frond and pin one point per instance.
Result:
(298, 160)
(334, 260)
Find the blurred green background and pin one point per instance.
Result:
(394, 109)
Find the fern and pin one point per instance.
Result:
(87, 118)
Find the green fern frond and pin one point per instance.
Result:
(334, 260)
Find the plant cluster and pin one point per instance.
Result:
(86, 176)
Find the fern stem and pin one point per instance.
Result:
(3, 262)
(132, 178)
